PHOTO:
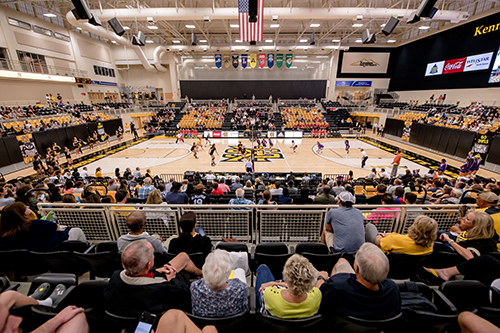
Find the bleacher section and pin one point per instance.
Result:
(428, 107)
(112, 105)
(329, 105)
(305, 118)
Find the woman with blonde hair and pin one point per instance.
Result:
(296, 297)
(419, 240)
(480, 239)
(154, 198)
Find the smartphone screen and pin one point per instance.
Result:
(42, 196)
(200, 231)
(143, 327)
(145, 323)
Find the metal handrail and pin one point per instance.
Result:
(32, 67)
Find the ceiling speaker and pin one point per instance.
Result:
(82, 9)
(116, 26)
(390, 26)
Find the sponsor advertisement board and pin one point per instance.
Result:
(364, 62)
(495, 71)
(478, 62)
(434, 68)
(454, 65)
(353, 83)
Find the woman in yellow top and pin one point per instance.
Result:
(296, 297)
(420, 239)
(98, 172)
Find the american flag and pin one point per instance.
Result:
(250, 31)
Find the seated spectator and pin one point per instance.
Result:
(375, 217)
(396, 184)
(373, 174)
(285, 198)
(240, 200)
(124, 187)
(68, 187)
(236, 185)
(199, 197)
(304, 197)
(78, 188)
(248, 186)
(140, 287)
(136, 222)
(70, 320)
(216, 295)
(154, 198)
(3, 200)
(325, 198)
(344, 227)
(420, 239)
(143, 191)
(452, 198)
(225, 188)
(189, 240)
(292, 189)
(277, 190)
(175, 196)
(26, 196)
(114, 184)
(216, 189)
(480, 239)
(266, 199)
(184, 185)
(384, 174)
(18, 231)
(68, 198)
(337, 188)
(362, 291)
(377, 199)
(297, 297)
(92, 198)
(399, 193)
(210, 176)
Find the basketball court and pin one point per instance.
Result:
(163, 156)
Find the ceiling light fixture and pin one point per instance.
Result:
(359, 41)
(424, 27)
(314, 25)
(238, 41)
(152, 27)
(336, 40)
(274, 26)
(190, 26)
(203, 40)
(49, 15)
(176, 41)
(149, 41)
(357, 25)
(303, 40)
(382, 25)
(126, 28)
(269, 40)
(234, 25)
(391, 41)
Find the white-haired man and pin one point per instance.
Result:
(362, 291)
(240, 200)
(144, 190)
(452, 198)
(140, 288)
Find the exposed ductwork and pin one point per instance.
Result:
(112, 36)
(157, 54)
(190, 14)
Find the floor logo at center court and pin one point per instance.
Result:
(231, 154)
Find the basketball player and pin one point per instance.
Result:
(207, 140)
(320, 148)
(347, 147)
(194, 150)
(294, 147)
(211, 153)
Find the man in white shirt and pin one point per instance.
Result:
(84, 174)
(364, 157)
(137, 173)
(210, 176)
(384, 174)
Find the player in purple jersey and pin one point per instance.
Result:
(320, 147)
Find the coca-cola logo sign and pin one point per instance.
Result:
(454, 66)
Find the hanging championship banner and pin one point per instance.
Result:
(27, 147)
(218, 60)
(244, 60)
(235, 60)
(270, 60)
(262, 60)
(289, 58)
(226, 59)
(279, 60)
(253, 60)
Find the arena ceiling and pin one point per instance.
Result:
(288, 24)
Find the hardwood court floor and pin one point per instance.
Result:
(163, 156)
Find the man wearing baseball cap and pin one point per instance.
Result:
(344, 228)
(488, 202)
